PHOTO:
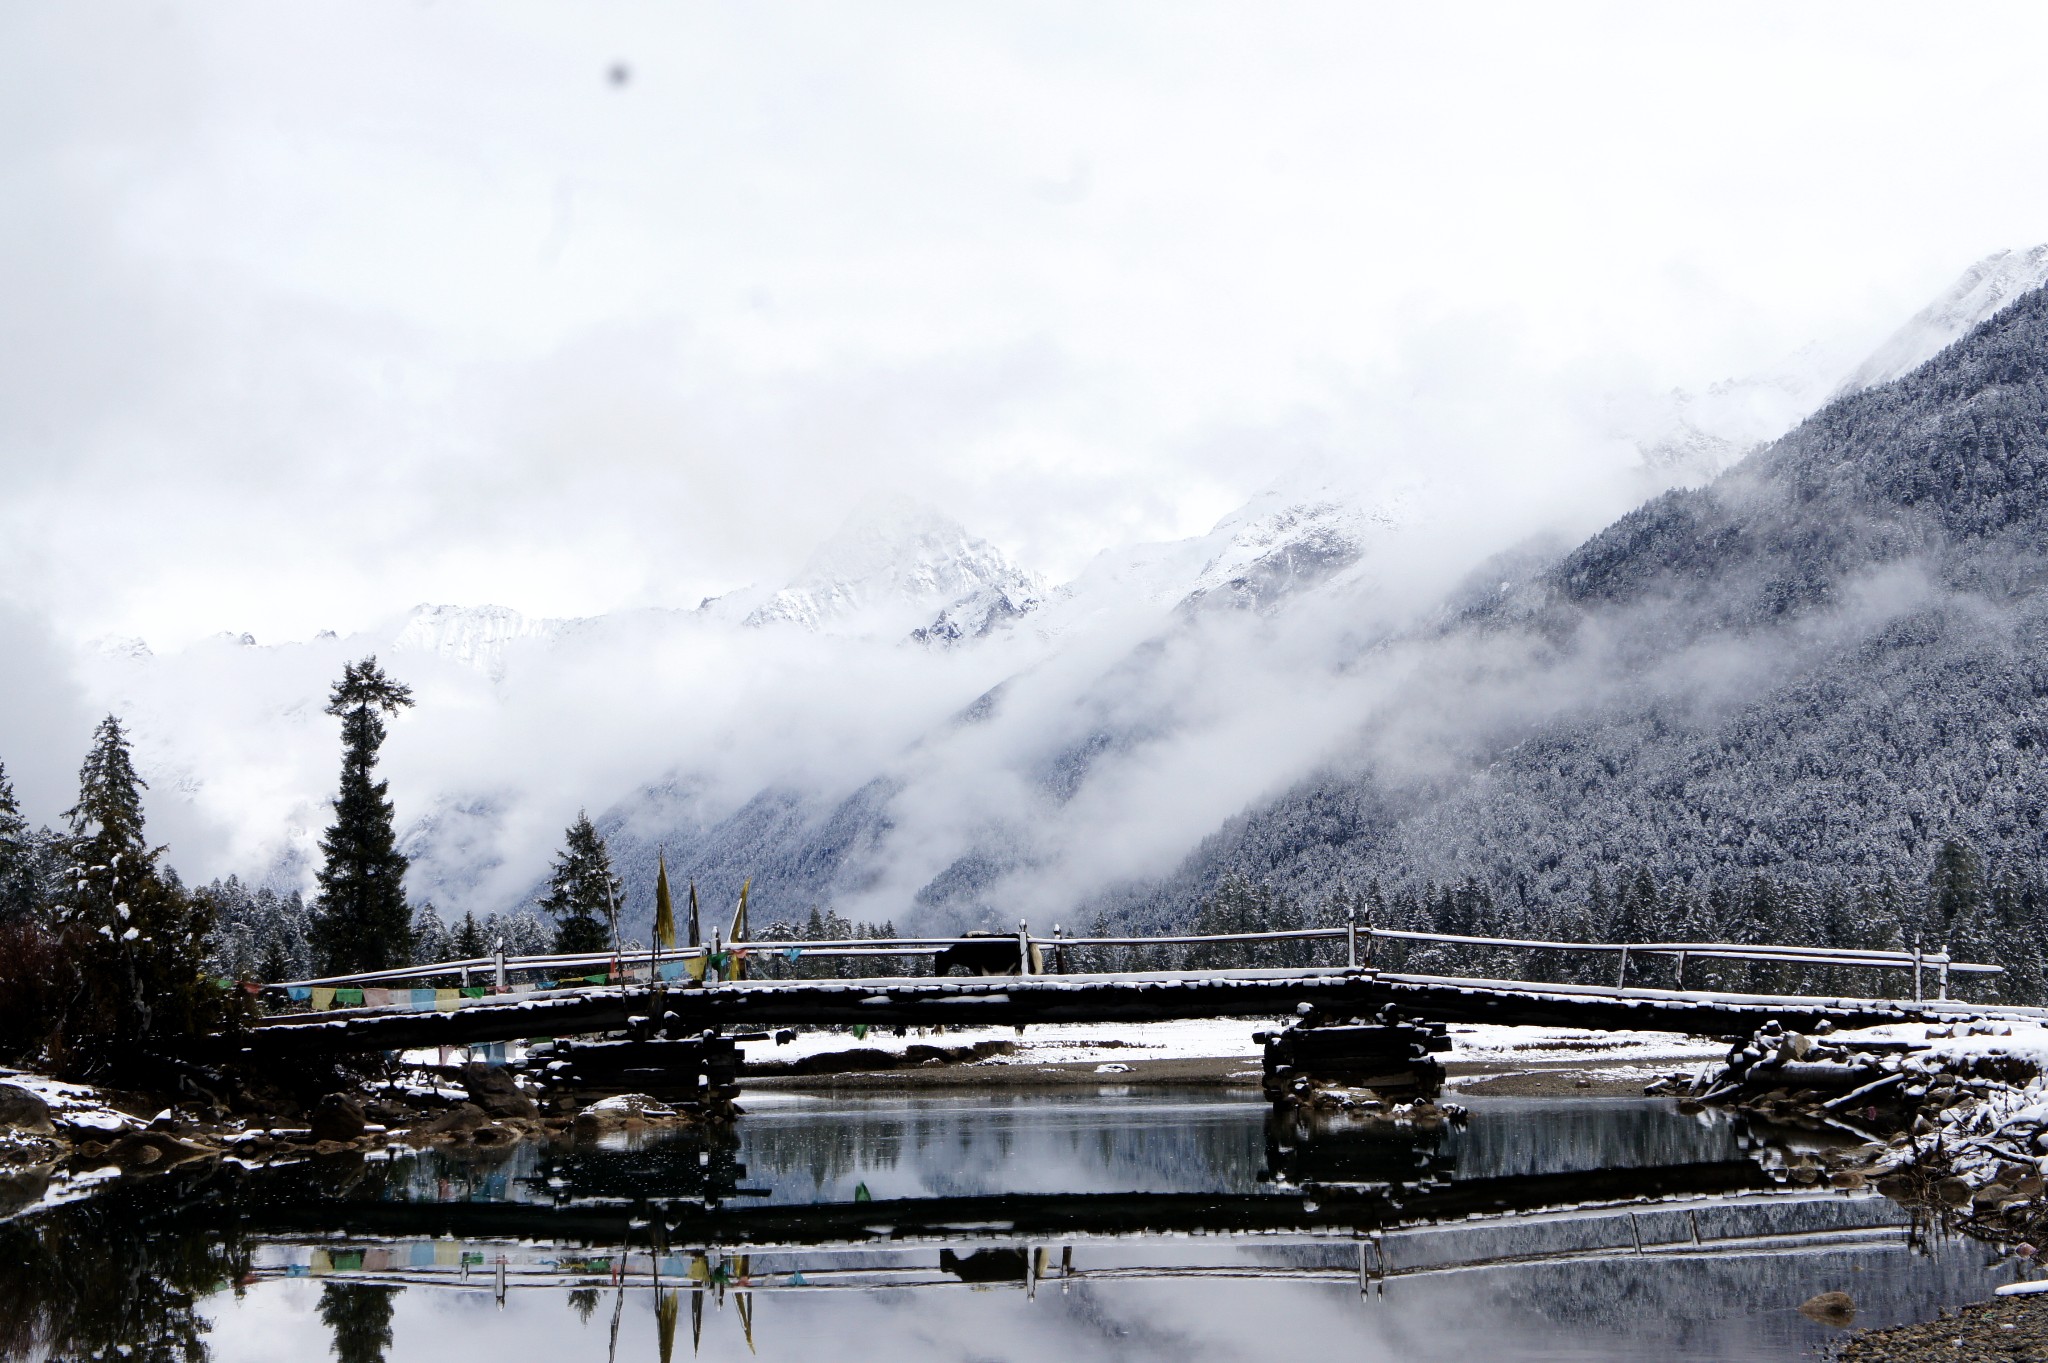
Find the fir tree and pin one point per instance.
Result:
(469, 942)
(430, 940)
(18, 871)
(361, 921)
(138, 938)
(584, 897)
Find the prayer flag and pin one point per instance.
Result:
(348, 998)
(423, 998)
(695, 966)
(447, 1000)
(377, 998)
(298, 993)
(323, 998)
(664, 906)
(739, 928)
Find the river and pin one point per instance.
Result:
(1182, 1227)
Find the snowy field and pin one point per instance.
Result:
(1231, 1039)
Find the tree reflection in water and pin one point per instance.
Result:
(359, 1314)
(118, 1275)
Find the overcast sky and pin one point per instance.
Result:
(312, 312)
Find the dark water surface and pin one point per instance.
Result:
(1061, 1227)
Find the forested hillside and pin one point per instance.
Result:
(1821, 668)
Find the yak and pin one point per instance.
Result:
(985, 953)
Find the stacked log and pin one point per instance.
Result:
(1389, 1061)
(697, 1074)
(1960, 1124)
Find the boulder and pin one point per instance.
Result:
(150, 1150)
(622, 1113)
(337, 1117)
(494, 1090)
(24, 1112)
(457, 1121)
(1830, 1308)
(1954, 1191)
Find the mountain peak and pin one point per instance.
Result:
(1984, 290)
(896, 557)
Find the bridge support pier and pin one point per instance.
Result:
(1390, 1056)
(697, 1074)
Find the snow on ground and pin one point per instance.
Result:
(1046, 1043)
(73, 1105)
(1231, 1039)
(1552, 1045)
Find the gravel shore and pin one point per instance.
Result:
(1998, 1331)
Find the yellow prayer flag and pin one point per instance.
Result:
(447, 1000)
(323, 999)
(695, 966)
(664, 907)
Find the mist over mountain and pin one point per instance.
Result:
(1823, 664)
(1348, 678)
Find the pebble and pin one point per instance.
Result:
(2001, 1331)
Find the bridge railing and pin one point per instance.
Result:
(716, 961)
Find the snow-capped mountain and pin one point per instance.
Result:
(914, 724)
(1986, 289)
(902, 563)
(1688, 437)
(475, 635)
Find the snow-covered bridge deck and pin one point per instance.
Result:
(1092, 998)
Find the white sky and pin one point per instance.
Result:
(312, 312)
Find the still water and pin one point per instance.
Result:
(1186, 1227)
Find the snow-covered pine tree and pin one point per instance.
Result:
(584, 897)
(430, 940)
(522, 931)
(138, 939)
(18, 879)
(469, 940)
(361, 920)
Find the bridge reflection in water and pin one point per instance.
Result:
(923, 1198)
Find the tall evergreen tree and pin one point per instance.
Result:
(361, 920)
(468, 941)
(18, 897)
(583, 895)
(138, 938)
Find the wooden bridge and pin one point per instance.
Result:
(680, 993)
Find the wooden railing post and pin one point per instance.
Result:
(1351, 937)
(1942, 983)
(1916, 967)
(500, 954)
(1023, 947)
(1621, 979)
(1059, 959)
(1681, 970)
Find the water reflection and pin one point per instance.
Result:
(1183, 1227)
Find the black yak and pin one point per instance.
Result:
(985, 953)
